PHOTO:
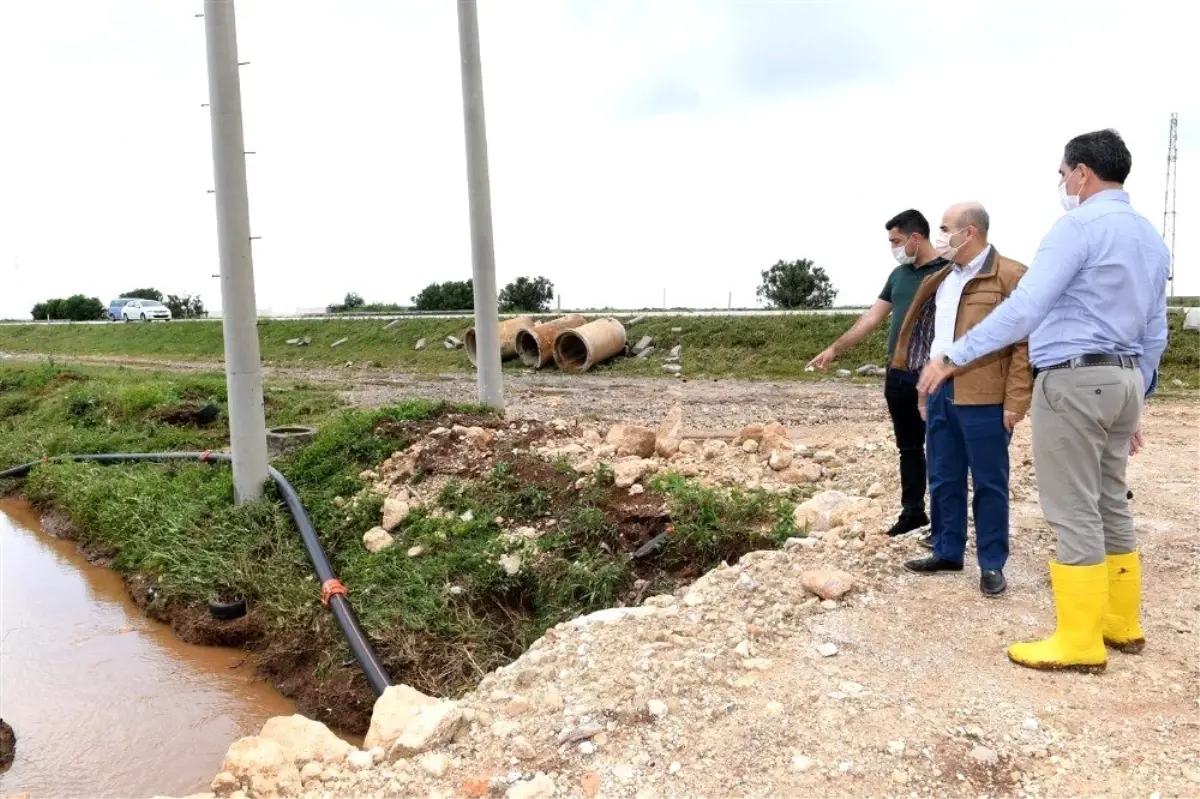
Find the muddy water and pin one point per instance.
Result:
(105, 702)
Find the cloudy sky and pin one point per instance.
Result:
(635, 145)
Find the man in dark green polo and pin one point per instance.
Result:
(908, 233)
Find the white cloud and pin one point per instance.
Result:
(354, 110)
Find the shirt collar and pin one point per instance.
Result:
(976, 262)
(1117, 195)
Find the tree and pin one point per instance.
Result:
(453, 295)
(353, 301)
(76, 308)
(524, 294)
(144, 294)
(796, 284)
(187, 306)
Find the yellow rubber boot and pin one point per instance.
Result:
(1122, 624)
(1080, 601)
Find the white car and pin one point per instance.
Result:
(145, 310)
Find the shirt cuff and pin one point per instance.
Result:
(960, 352)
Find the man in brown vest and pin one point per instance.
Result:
(969, 419)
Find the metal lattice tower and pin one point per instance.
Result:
(1169, 201)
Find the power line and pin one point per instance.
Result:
(1168, 230)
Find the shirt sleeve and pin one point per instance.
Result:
(886, 294)
(1059, 258)
(1154, 340)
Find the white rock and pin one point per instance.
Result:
(801, 763)
(303, 740)
(750, 445)
(1030, 723)
(824, 456)
(875, 491)
(587, 748)
(435, 725)
(623, 772)
(896, 747)
(311, 771)
(628, 471)
(983, 754)
(359, 760)
(416, 552)
(377, 539)
(827, 650)
(467, 516)
(636, 489)
(657, 708)
(395, 511)
(511, 563)
(396, 709)
(435, 763)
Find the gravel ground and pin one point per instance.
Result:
(724, 690)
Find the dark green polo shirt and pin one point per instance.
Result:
(900, 289)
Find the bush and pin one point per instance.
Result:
(144, 294)
(76, 308)
(453, 295)
(187, 306)
(524, 294)
(796, 284)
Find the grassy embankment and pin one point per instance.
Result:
(175, 527)
(775, 347)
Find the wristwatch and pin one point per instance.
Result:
(947, 362)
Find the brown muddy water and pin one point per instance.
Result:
(105, 702)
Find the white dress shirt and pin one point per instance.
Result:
(946, 305)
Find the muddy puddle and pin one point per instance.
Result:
(105, 702)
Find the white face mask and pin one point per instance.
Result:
(941, 243)
(901, 256)
(1069, 201)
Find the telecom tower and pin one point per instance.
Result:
(1169, 201)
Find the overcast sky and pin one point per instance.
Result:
(635, 145)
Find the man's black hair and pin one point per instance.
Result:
(1103, 151)
(909, 222)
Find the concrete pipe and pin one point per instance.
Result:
(508, 338)
(535, 345)
(582, 348)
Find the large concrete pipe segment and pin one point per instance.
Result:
(508, 338)
(594, 343)
(535, 344)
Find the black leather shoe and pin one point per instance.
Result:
(992, 582)
(932, 565)
(926, 540)
(907, 524)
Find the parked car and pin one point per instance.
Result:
(145, 310)
(114, 308)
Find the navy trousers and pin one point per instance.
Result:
(962, 438)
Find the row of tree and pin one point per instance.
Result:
(532, 295)
(81, 308)
(787, 284)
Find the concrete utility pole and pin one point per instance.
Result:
(479, 193)
(243, 368)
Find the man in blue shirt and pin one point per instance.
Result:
(1093, 305)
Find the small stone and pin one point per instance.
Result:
(774, 708)
(435, 763)
(829, 604)
(377, 539)
(467, 516)
(875, 491)
(416, 552)
(1030, 724)
(395, 511)
(589, 784)
(522, 749)
(636, 488)
(674, 768)
(511, 563)
(359, 760)
(623, 772)
(843, 373)
(827, 583)
(756, 664)
(801, 763)
(982, 754)
(827, 650)
(587, 748)
(824, 456)
(900, 777)
(420, 345)
(750, 445)
(339, 342)
(311, 771)
(657, 708)
(540, 787)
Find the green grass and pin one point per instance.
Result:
(177, 526)
(761, 347)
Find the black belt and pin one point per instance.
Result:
(1123, 361)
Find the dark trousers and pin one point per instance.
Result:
(900, 391)
(962, 438)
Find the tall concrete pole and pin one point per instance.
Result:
(243, 368)
(479, 192)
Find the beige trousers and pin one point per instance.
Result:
(1082, 422)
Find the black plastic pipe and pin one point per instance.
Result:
(338, 603)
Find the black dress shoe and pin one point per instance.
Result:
(932, 565)
(907, 524)
(992, 582)
(926, 540)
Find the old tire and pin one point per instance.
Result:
(228, 611)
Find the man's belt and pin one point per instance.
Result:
(1123, 361)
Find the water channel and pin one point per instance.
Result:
(105, 702)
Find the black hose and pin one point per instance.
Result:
(338, 603)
